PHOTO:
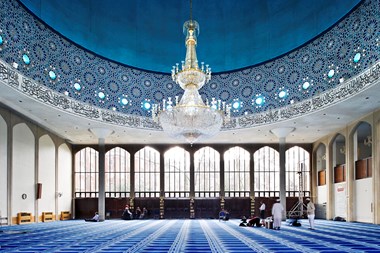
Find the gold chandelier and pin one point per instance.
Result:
(189, 118)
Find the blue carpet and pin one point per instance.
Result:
(187, 236)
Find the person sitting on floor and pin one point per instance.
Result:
(137, 213)
(243, 222)
(127, 215)
(144, 213)
(224, 215)
(94, 219)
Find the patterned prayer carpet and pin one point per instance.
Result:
(187, 236)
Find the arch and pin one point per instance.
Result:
(297, 170)
(267, 172)
(177, 172)
(338, 149)
(206, 172)
(117, 173)
(338, 179)
(362, 180)
(147, 173)
(86, 173)
(361, 136)
(23, 169)
(46, 174)
(236, 172)
(65, 181)
(320, 174)
(3, 167)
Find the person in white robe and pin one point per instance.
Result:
(310, 212)
(277, 210)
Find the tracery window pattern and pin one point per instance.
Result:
(117, 173)
(147, 173)
(297, 172)
(177, 173)
(236, 172)
(206, 173)
(266, 172)
(86, 173)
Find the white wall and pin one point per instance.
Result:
(46, 174)
(340, 200)
(23, 170)
(3, 169)
(363, 200)
(322, 194)
(64, 178)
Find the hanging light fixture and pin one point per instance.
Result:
(189, 118)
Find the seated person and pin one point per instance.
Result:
(254, 221)
(127, 215)
(294, 222)
(243, 222)
(137, 213)
(94, 219)
(224, 215)
(144, 214)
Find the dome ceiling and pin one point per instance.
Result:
(148, 34)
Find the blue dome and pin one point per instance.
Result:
(148, 34)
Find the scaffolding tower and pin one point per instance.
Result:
(299, 210)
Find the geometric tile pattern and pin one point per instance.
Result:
(342, 52)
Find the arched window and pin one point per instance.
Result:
(297, 172)
(86, 173)
(177, 173)
(117, 173)
(207, 172)
(266, 172)
(147, 173)
(236, 172)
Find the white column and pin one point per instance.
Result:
(101, 134)
(281, 133)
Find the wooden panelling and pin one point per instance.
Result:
(176, 208)
(85, 208)
(206, 208)
(238, 207)
(115, 207)
(369, 166)
(363, 168)
(321, 177)
(340, 173)
(151, 204)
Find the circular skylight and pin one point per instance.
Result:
(124, 101)
(331, 73)
(25, 59)
(52, 75)
(101, 95)
(259, 100)
(357, 57)
(146, 105)
(77, 86)
(282, 94)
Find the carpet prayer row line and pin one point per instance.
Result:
(158, 236)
